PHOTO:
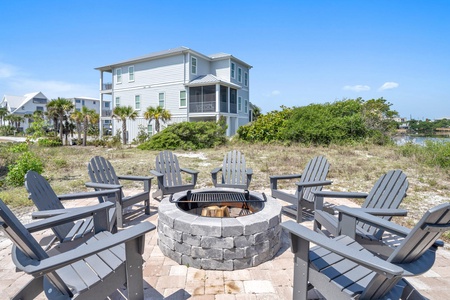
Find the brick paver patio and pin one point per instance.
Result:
(165, 279)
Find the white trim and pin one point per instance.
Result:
(185, 99)
(117, 76)
(233, 71)
(129, 79)
(138, 97)
(192, 64)
(164, 98)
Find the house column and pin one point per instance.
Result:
(100, 126)
(217, 101)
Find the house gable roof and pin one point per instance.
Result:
(210, 79)
(16, 102)
(169, 52)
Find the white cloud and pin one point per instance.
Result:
(275, 93)
(6, 71)
(388, 86)
(356, 88)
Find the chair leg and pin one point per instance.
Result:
(31, 290)
(119, 212)
(134, 261)
(147, 206)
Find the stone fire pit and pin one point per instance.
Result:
(216, 243)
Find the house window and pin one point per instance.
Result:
(239, 74)
(194, 65)
(119, 75)
(131, 73)
(106, 104)
(137, 102)
(150, 129)
(117, 101)
(161, 99)
(246, 79)
(239, 103)
(77, 101)
(83, 103)
(39, 108)
(182, 98)
(94, 102)
(233, 69)
(246, 106)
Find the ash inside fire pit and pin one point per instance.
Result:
(249, 236)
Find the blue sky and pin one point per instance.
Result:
(302, 52)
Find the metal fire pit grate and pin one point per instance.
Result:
(217, 197)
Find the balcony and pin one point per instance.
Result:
(196, 107)
(106, 113)
(106, 86)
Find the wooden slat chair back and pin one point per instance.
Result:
(316, 170)
(416, 249)
(103, 177)
(169, 175)
(93, 270)
(43, 196)
(235, 173)
(312, 179)
(167, 164)
(101, 171)
(388, 192)
(26, 243)
(341, 268)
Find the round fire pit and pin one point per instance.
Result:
(242, 231)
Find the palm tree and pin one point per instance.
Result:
(60, 107)
(256, 111)
(157, 114)
(88, 116)
(122, 113)
(3, 113)
(77, 117)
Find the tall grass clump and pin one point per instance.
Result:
(432, 153)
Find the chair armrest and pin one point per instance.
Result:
(313, 183)
(103, 185)
(216, 170)
(279, 177)
(190, 171)
(333, 194)
(365, 259)
(66, 258)
(156, 173)
(48, 213)
(69, 216)
(136, 178)
(348, 217)
(85, 195)
(385, 212)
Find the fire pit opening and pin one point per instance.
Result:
(220, 204)
(219, 229)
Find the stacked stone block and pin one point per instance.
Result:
(219, 243)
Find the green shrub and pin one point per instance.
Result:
(434, 154)
(49, 142)
(187, 136)
(27, 161)
(19, 148)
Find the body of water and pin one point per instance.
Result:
(419, 140)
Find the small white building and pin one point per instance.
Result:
(24, 106)
(94, 103)
(190, 85)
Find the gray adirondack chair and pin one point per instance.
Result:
(93, 270)
(383, 200)
(102, 175)
(49, 204)
(235, 173)
(168, 173)
(340, 268)
(312, 179)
